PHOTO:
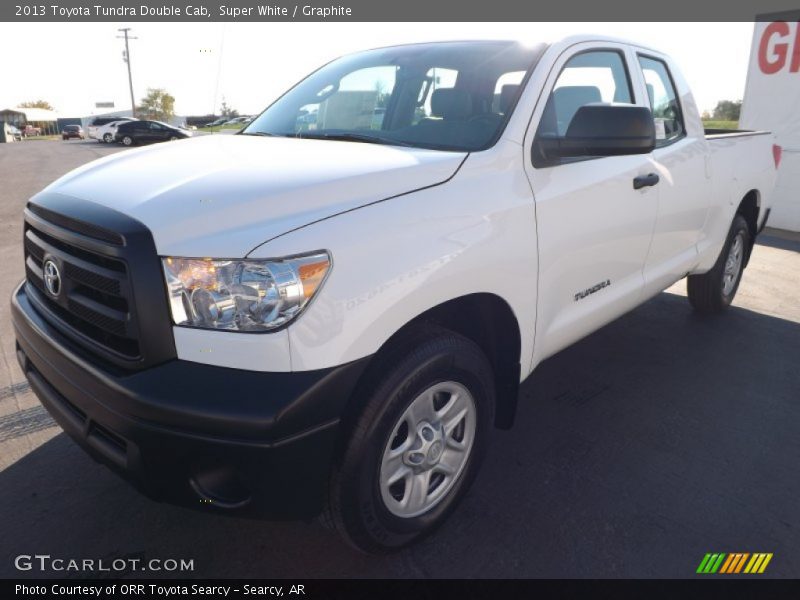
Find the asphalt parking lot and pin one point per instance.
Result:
(660, 438)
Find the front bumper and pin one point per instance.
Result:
(206, 437)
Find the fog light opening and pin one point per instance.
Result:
(220, 488)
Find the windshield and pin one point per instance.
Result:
(448, 96)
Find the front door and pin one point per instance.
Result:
(594, 229)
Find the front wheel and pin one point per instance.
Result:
(108, 138)
(417, 444)
(127, 141)
(713, 292)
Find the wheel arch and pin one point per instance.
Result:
(749, 208)
(484, 318)
(489, 321)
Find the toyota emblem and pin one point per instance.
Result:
(52, 277)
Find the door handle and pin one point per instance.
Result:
(645, 181)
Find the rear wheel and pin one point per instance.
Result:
(713, 292)
(417, 444)
(108, 138)
(127, 140)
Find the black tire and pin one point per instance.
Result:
(709, 293)
(356, 508)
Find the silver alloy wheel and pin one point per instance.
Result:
(107, 138)
(428, 449)
(127, 140)
(733, 265)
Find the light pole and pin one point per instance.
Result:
(127, 59)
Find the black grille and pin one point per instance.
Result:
(98, 319)
(112, 302)
(94, 298)
(78, 226)
(93, 280)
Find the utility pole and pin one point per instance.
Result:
(127, 59)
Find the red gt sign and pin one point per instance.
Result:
(779, 47)
(771, 101)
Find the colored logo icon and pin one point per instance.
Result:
(735, 562)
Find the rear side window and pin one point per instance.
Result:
(506, 90)
(436, 78)
(358, 102)
(663, 101)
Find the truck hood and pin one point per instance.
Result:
(223, 195)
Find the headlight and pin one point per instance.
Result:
(242, 295)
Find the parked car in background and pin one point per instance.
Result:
(105, 133)
(72, 131)
(97, 122)
(30, 130)
(239, 121)
(142, 132)
(217, 122)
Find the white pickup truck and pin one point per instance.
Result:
(328, 312)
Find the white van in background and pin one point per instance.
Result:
(97, 122)
(105, 133)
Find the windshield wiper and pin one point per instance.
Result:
(352, 137)
(264, 133)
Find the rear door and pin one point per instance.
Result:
(126, 130)
(594, 229)
(159, 132)
(144, 131)
(682, 162)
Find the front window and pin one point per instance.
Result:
(448, 96)
(591, 77)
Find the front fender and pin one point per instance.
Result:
(396, 259)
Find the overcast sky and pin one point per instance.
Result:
(74, 65)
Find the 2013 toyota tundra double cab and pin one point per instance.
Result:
(328, 312)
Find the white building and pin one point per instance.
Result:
(47, 120)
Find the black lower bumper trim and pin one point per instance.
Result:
(201, 436)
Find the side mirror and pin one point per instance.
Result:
(603, 130)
